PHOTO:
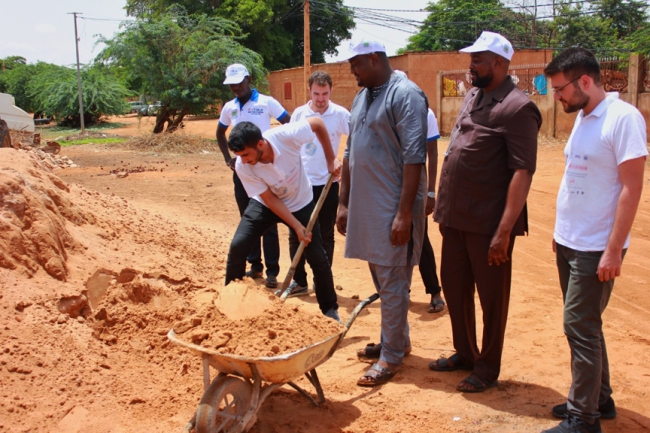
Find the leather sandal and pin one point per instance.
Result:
(376, 376)
(454, 362)
(478, 384)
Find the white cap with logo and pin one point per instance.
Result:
(363, 46)
(494, 42)
(235, 73)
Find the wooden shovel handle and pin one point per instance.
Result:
(301, 248)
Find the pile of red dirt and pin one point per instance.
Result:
(34, 210)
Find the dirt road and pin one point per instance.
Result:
(179, 220)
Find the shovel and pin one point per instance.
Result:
(238, 301)
(312, 220)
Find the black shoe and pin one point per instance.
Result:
(254, 274)
(575, 425)
(271, 282)
(607, 410)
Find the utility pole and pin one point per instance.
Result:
(307, 54)
(81, 102)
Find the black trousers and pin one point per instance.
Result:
(326, 220)
(428, 265)
(270, 241)
(256, 220)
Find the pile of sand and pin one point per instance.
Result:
(34, 209)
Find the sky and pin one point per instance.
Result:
(43, 31)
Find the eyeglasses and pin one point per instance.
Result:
(562, 88)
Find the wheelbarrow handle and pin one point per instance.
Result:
(363, 304)
(301, 248)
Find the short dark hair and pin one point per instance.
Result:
(244, 134)
(574, 63)
(321, 78)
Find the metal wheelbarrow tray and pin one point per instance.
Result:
(231, 401)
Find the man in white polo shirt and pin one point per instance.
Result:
(336, 119)
(271, 171)
(598, 199)
(251, 106)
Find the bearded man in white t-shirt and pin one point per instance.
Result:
(598, 199)
(271, 171)
(337, 120)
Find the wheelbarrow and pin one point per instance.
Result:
(231, 401)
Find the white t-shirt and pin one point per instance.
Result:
(432, 126)
(285, 176)
(259, 109)
(614, 132)
(337, 121)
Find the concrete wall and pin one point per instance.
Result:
(644, 107)
(420, 67)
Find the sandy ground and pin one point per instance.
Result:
(172, 228)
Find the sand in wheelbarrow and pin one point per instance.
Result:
(280, 328)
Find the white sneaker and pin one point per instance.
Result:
(296, 290)
(333, 314)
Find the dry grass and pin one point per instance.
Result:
(176, 143)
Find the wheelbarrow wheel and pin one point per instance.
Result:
(223, 406)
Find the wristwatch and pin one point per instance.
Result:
(431, 194)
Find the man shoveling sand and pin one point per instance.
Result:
(270, 169)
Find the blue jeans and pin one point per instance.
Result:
(256, 220)
(270, 242)
(585, 299)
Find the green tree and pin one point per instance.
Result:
(7, 64)
(180, 59)
(454, 24)
(639, 41)
(575, 26)
(272, 28)
(18, 79)
(626, 16)
(54, 92)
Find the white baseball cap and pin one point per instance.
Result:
(494, 42)
(363, 46)
(235, 73)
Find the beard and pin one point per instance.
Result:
(484, 81)
(578, 101)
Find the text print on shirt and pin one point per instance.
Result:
(577, 173)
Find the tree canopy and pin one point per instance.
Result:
(607, 25)
(272, 28)
(180, 60)
(54, 91)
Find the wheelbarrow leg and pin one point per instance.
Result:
(313, 379)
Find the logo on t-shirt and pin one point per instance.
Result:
(256, 111)
(280, 191)
(310, 149)
(234, 113)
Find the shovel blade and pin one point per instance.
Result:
(240, 300)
